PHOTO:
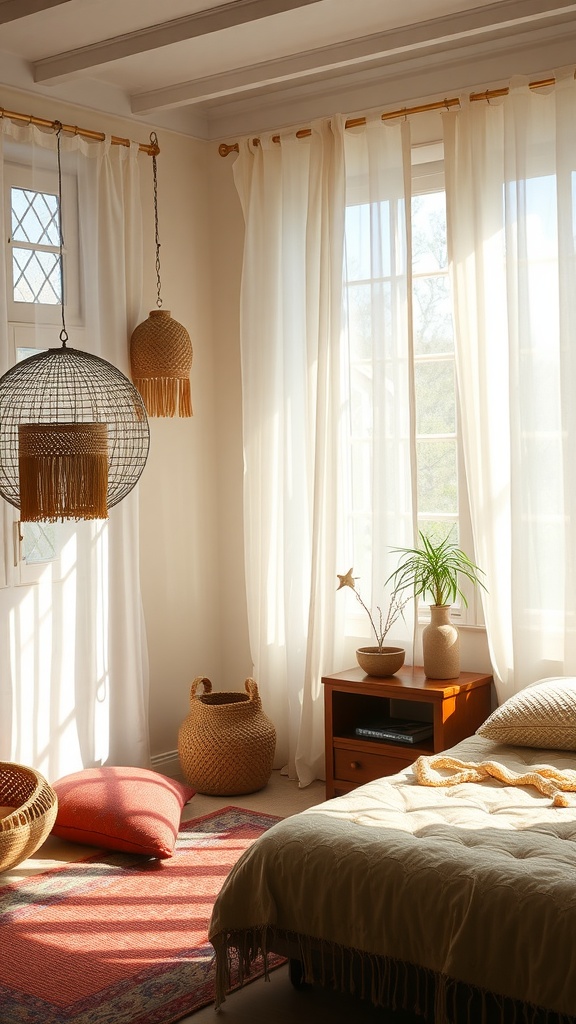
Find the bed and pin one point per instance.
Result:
(448, 890)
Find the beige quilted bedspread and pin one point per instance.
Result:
(476, 882)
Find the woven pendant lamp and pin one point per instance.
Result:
(74, 435)
(160, 347)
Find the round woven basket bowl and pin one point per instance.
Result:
(380, 662)
(28, 806)
(226, 744)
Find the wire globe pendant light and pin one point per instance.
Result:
(160, 348)
(74, 435)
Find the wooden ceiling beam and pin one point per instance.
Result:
(13, 10)
(214, 19)
(477, 27)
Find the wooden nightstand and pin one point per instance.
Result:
(454, 707)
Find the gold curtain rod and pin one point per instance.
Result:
(86, 133)
(354, 122)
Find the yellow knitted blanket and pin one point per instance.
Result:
(548, 781)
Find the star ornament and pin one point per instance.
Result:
(347, 580)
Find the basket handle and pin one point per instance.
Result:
(251, 687)
(195, 685)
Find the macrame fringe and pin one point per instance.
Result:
(54, 487)
(384, 981)
(165, 396)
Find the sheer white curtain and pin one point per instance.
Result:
(297, 419)
(378, 455)
(73, 655)
(510, 183)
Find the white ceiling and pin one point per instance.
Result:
(214, 68)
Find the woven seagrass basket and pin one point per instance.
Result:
(35, 804)
(226, 744)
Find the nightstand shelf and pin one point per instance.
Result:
(453, 707)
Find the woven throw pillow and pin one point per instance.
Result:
(129, 809)
(541, 715)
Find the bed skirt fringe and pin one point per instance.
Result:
(383, 981)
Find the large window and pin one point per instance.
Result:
(434, 371)
(372, 287)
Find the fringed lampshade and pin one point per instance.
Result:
(63, 471)
(74, 436)
(160, 347)
(161, 360)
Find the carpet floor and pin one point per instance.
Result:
(117, 938)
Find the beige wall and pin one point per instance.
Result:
(179, 528)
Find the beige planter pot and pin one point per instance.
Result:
(380, 662)
(441, 645)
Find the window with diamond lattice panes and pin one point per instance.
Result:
(34, 292)
(35, 287)
(35, 247)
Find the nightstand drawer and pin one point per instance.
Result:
(359, 767)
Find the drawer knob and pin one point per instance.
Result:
(354, 764)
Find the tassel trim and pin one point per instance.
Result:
(63, 487)
(63, 471)
(165, 396)
(384, 981)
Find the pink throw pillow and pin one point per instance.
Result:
(129, 809)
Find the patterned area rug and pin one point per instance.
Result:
(116, 938)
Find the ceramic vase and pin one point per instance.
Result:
(441, 644)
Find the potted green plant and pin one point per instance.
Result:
(379, 660)
(434, 569)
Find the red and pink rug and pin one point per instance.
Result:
(117, 939)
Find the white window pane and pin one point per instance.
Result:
(437, 476)
(368, 236)
(36, 276)
(34, 217)
(39, 542)
(435, 397)
(429, 252)
(369, 319)
(433, 324)
(438, 530)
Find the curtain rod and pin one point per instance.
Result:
(151, 149)
(354, 122)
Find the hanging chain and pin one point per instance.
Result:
(63, 332)
(154, 142)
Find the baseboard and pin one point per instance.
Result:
(167, 763)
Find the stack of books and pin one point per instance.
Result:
(397, 730)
